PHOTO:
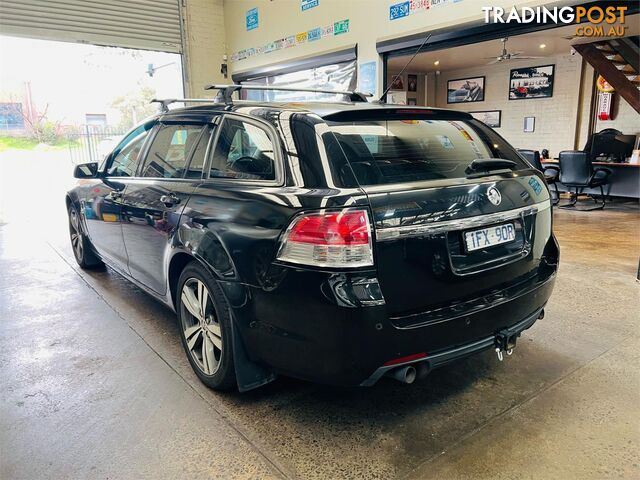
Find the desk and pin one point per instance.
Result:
(624, 180)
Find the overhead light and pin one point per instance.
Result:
(542, 45)
(437, 62)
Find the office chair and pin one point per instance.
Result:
(577, 172)
(551, 173)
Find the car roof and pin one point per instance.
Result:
(325, 110)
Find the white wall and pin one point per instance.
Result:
(368, 23)
(205, 39)
(556, 117)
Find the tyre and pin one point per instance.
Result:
(205, 327)
(80, 244)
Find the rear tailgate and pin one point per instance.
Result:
(450, 239)
(423, 260)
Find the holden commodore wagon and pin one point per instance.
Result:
(333, 242)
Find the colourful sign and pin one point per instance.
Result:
(336, 28)
(307, 4)
(410, 7)
(252, 19)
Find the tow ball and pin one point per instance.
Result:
(505, 342)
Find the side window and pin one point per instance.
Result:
(126, 157)
(169, 152)
(243, 151)
(198, 158)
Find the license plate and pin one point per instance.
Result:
(490, 236)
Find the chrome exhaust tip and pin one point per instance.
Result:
(404, 374)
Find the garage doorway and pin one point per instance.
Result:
(63, 103)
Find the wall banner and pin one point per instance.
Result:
(315, 34)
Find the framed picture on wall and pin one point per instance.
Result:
(492, 118)
(412, 83)
(531, 82)
(464, 90)
(529, 124)
(397, 83)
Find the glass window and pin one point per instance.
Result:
(243, 151)
(198, 158)
(126, 156)
(395, 151)
(169, 152)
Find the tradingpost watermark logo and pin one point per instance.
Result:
(592, 21)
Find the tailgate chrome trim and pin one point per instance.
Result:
(407, 231)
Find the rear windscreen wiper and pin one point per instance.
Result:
(480, 165)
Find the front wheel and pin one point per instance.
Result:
(81, 245)
(205, 327)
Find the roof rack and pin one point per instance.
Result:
(225, 92)
(164, 103)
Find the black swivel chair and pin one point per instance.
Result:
(551, 173)
(577, 172)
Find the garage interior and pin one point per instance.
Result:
(95, 383)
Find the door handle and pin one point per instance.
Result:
(169, 200)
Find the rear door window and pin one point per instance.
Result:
(171, 150)
(243, 150)
(396, 151)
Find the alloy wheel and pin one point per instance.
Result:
(202, 330)
(75, 233)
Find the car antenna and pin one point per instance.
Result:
(383, 97)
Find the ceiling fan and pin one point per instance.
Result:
(505, 56)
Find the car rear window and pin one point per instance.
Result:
(397, 151)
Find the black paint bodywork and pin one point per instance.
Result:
(424, 294)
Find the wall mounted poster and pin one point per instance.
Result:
(531, 82)
(490, 117)
(397, 82)
(412, 83)
(465, 90)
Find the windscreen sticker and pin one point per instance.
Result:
(371, 141)
(445, 141)
(535, 184)
(468, 137)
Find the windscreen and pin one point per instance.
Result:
(397, 151)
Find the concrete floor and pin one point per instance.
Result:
(95, 383)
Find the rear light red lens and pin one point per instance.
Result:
(349, 228)
(329, 239)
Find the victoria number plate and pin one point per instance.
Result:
(490, 236)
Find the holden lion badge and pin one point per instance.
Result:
(494, 195)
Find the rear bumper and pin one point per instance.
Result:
(299, 329)
(447, 356)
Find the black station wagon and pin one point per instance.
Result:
(333, 242)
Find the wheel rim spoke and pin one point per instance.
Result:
(215, 339)
(203, 296)
(202, 333)
(208, 358)
(191, 302)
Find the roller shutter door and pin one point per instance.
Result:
(144, 24)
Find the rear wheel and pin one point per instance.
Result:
(80, 244)
(205, 327)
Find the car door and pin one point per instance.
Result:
(154, 201)
(101, 202)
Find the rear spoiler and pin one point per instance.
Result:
(398, 112)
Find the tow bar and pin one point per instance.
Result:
(505, 342)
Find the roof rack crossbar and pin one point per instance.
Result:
(225, 92)
(164, 103)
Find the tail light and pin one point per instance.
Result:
(329, 239)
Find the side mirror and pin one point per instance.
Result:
(86, 170)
